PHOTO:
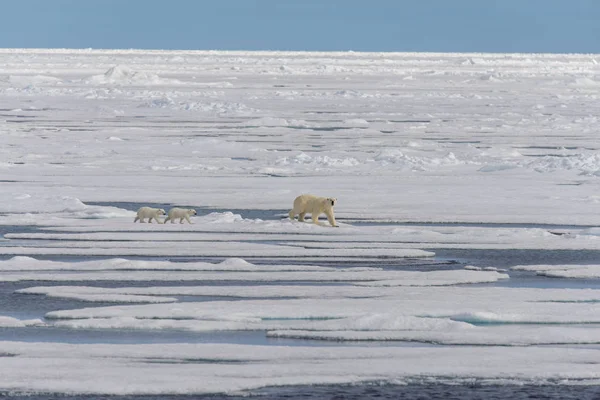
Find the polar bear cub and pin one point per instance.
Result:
(181, 213)
(149, 212)
(315, 206)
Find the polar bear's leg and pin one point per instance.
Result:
(315, 218)
(157, 220)
(137, 218)
(292, 214)
(165, 221)
(331, 218)
(301, 216)
(187, 218)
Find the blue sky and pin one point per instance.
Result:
(555, 26)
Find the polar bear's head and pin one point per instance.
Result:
(332, 201)
(191, 211)
(161, 211)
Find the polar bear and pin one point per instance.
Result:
(149, 212)
(315, 206)
(180, 213)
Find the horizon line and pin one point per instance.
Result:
(141, 50)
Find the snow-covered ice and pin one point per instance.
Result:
(563, 271)
(467, 189)
(186, 368)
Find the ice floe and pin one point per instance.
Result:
(215, 368)
(563, 271)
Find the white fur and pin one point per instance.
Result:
(315, 206)
(149, 212)
(181, 213)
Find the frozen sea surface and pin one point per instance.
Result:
(466, 263)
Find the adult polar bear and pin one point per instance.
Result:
(315, 206)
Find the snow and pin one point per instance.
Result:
(519, 309)
(477, 336)
(185, 249)
(365, 277)
(10, 322)
(563, 271)
(121, 75)
(21, 263)
(213, 233)
(210, 368)
(60, 205)
(428, 154)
